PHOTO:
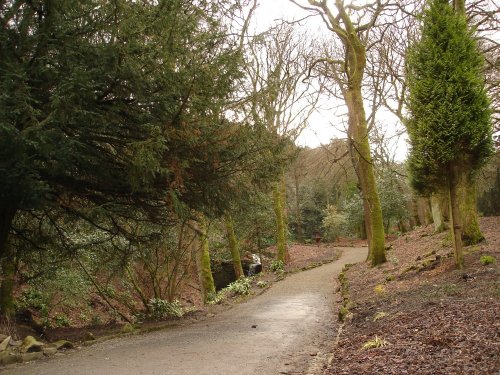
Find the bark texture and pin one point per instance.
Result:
(203, 259)
(437, 212)
(233, 247)
(280, 224)
(471, 234)
(360, 151)
(455, 217)
(7, 287)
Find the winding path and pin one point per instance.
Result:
(291, 323)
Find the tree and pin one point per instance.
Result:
(348, 74)
(233, 246)
(275, 67)
(450, 127)
(113, 114)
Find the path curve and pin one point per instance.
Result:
(293, 320)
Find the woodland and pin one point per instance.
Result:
(145, 145)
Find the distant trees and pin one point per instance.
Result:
(450, 127)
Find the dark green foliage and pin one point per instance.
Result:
(112, 118)
(114, 112)
(450, 120)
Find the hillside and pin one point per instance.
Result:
(419, 314)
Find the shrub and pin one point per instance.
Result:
(379, 290)
(62, 320)
(377, 342)
(240, 287)
(161, 308)
(277, 266)
(487, 259)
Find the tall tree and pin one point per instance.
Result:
(112, 113)
(450, 127)
(277, 98)
(348, 73)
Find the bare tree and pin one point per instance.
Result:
(276, 97)
(351, 25)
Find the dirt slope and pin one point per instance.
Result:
(429, 317)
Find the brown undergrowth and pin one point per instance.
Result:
(419, 314)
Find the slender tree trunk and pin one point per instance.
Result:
(437, 212)
(471, 234)
(280, 224)
(7, 287)
(7, 308)
(233, 246)
(7, 213)
(455, 219)
(298, 214)
(459, 6)
(203, 261)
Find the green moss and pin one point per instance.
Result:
(487, 259)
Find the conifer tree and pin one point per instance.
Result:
(449, 127)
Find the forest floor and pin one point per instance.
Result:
(422, 315)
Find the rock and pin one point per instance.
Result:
(7, 358)
(89, 336)
(49, 350)
(63, 344)
(254, 326)
(4, 343)
(128, 328)
(210, 315)
(28, 357)
(30, 345)
(16, 343)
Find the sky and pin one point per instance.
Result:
(324, 124)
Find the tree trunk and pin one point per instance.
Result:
(233, 246)
(455, 219)
(298, 213)
(424, 210)
(7, 307)
(7, 214)
(7, 287)
(459, 6)
(360, 148)
(437, 213)
(201, 246)
(358, 134)
(471, 234)
(280, 224)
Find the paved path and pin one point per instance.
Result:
(293, 320)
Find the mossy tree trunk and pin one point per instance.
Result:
(233, 246)
(348, 72)
(455, 215)
(360, 152)
(7, 287)
(280, 224)
(202, 251)
(7, 308)
(471, 234)
(459, 6)
(437, 212)
(298, 213)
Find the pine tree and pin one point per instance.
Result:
(450, 128)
